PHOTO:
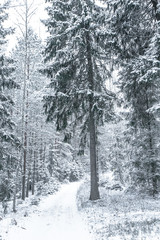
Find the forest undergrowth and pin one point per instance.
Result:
(119, 215)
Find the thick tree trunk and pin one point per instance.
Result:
(94, 192)
(155, 6)
(153, 162)
(153, 165)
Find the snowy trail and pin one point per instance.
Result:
(57, 219)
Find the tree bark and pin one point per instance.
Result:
(94, 191)
(155, 6)
(24, 166)
(152, 153)
(27, 186)
(34, 172)
(24, 113)
(15, 189)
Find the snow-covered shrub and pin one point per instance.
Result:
(106, 179)
(35, 201)
(47, 188)
(5, 186)
(13, 221)
(70, 171)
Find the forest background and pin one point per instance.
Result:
(70, 78)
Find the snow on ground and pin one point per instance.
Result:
(56, 217)
(120, 216)
(116, 216)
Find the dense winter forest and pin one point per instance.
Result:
(81, 104)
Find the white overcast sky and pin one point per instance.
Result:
(16, 8)
(15, 21)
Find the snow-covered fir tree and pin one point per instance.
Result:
(76, 64)
(8, 140)
(134, 29)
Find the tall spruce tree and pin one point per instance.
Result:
(7, 136)
(133, 31)
(76, 58)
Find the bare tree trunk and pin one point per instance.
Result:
(94, 192)
(24, 114)
(155, 4)
(24, 164)
(153, 166)
(34, 167)
(34, 173)
(27, 186)
(15, 189)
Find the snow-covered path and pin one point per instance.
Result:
(57, 219)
